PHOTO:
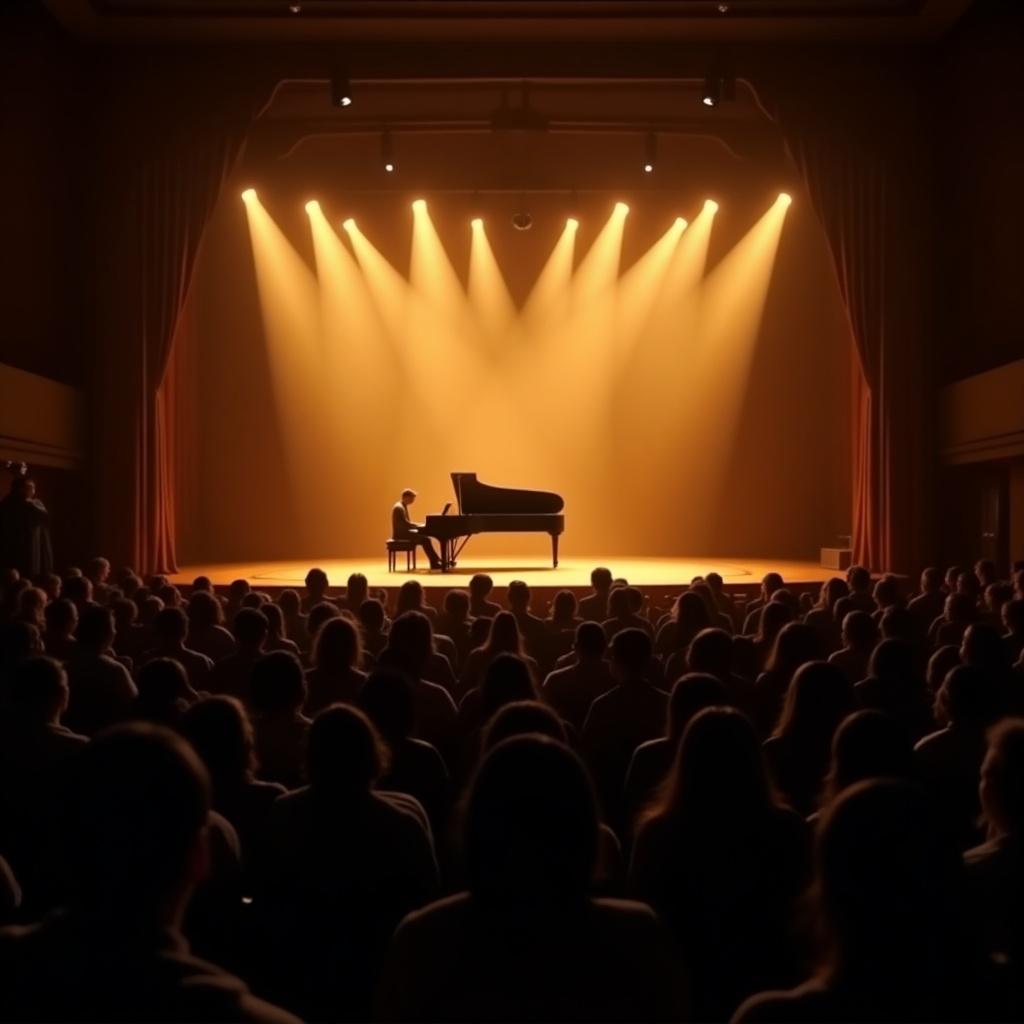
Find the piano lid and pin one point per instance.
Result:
(475, 498)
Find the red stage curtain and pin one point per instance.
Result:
(853, 136)
(168, 148)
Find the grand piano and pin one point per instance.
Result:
(487, 509)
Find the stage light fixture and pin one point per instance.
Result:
(572, 223)
(719, 83)
(784, 199)
(349, 224)
(248, 195)
(387, 154)
(419, 206)
(295, 8)
(681, 223)
(477, 223)
(650, 153)
(711, 94)
(711, 206)
(522, 221)
(341, 89)
(622, 209)
(312, 207)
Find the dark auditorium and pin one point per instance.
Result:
(512, 511)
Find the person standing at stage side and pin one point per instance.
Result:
(403, 528)
(24, 529)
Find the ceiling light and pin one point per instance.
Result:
(341, 88)
(650, 153)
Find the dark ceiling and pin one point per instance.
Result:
(507, 20)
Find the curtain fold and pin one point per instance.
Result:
(166, 155)
(857, 148)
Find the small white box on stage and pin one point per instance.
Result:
(836, 558)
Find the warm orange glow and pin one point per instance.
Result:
(248, 195)
(785, 198)
(596, 386)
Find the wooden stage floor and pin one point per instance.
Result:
(572, 573)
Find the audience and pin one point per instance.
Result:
(340, 801)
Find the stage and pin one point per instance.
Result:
(650, 574)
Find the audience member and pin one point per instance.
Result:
(572, 689)
(101, 690)
(277, 692)
(335, 676)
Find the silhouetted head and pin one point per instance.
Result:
(563, 608)
(774, 615)
(887, 592)
(860, 632)
(410, 597)
(982, 647)
(135, 823)
(250, 629)
(969, 698)
(277, 684)
(19, 640)
(456, 605)
(897, 623)
(170, 626)
(996, 596)
(939, 665)
(387, 699)
(38, 690)
(888, 882)
(618, 603)
(164, 692)
(831, 591)
(770, 583)
(202, 584)
(219, 730)
(78, 589)
(371, 615)
(1013, 616)
(710, 651)
(858, 579)
(819, 697)
(275, 620)
(62, 616)
(1002, 778)
(357, 589)
(531, 826)
(601, 580)
(320, 613)
(968, 584)
(691, 613)
(504, 634)
(892, 659)
(868, 745)
(518, 595)
(410, 642)
(931, 580)
(796, 644)
(316, 583)
(408, 496)
(344, 753)
(30, 605)
(237, 589)
(507, 679)
(337, 647)
(693, 693)
(985, 571)
(480, 585)
(522, 718)
(290, 602)
(715, 582)
(718, 774)
(631, 654)
(204, 610)
(95, 628)
(590, 641)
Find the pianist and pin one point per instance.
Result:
(402, 527)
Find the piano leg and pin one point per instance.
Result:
(554, 551)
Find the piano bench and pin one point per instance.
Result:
(409, 547)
